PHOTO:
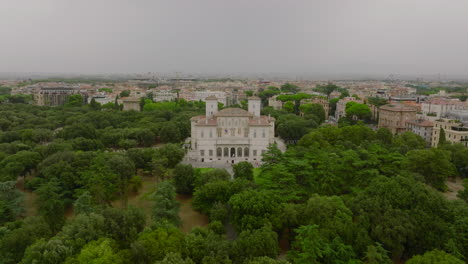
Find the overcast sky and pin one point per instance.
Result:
(261, 36)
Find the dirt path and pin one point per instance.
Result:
(190, 218)
(454, 185)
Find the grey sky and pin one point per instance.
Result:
(287, 36)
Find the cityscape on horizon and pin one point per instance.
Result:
(233, 132)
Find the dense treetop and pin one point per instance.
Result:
(340, 194)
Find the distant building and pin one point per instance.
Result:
(461, 115)
(162, 96)
(232, 134)
(318, 100)
(395, 116)
(341, 106)
(454, 131)
(334, 94)
(276, 104)
(131, 103)
(53, 96)
(202, 95)
(422, 128)
(102, 99)
(439, 107)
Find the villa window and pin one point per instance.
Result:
(254, 153)
(202, 152)
(210, 152)
(239, 152)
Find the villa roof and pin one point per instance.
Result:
(423, 123)
(233, 112)
(211, 97)
(130, 99)
(397, 107)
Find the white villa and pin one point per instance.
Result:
(232, 134)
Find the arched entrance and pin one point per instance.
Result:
(219, 152)
(226, 152)
(233, 152)
(239, 152)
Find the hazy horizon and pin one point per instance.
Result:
(295, 38)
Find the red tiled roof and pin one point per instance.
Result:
(424, 123)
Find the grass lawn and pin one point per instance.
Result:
(202, 170)
(256, 173)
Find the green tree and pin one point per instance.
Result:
(295, 128)
(310, 247)
(314, 109)
(42, 251)
(280, 181)
(265, 260)
(212, 176)
(434, 257)
(289, 88)
(442, 139)
(360, 111)
(459, 158)
(434, 164)
(376, 255)
(174, 258)
(19, 164)
(84, 204)
(384, 135)
(399, 211)
(248, 93)
(463, 194)
(51, 204)
(332, 104)
(255, 243)
(408, 141)
(123, 226)
(205, 246)
(166, 207)
(170, 133)
(217, 192)
(244, 170)
(272, 156)
(184, 178)
(289, 107)
(75, 100)
(125, 93)
(11, 201)
(101, 251)
(327, 89)
(156, 244)
(94, 105)
(253, 209)
(29, 230)
(330, 213)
